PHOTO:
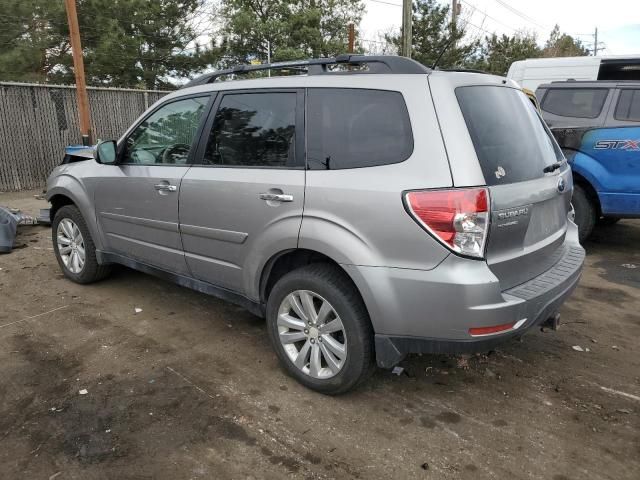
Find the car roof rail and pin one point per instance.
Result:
(317, 66)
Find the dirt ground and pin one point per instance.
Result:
(189, 387)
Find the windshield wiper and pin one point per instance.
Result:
(552, 168)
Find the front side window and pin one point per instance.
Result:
(575, 102)
(628, 107)
(352, 128)
(254, 130)
(165, 137)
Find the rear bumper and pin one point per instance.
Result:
(392, 349)
(416, 311)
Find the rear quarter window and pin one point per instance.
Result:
(511, 141)
(353, 128)
(575, 102)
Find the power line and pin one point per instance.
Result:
(522, 15)
(466, 22)
(385, 3)
(489, 16)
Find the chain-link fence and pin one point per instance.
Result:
(38, 121)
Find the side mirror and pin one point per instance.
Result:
(106, 152)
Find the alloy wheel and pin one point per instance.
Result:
(312, 334)
(71, 245)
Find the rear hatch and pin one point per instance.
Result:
(528, 179)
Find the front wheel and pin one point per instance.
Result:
(320, 329)
(74, 247)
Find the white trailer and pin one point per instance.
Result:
(534, 71)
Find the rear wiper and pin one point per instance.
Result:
(552, 168)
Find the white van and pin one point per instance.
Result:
(535, 71)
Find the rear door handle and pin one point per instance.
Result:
(277, 197)
(163, 187)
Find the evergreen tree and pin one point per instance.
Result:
(433, 35)
(126, 43)
(291, 29)
(33, 39)
(563, 45)
(497, 53)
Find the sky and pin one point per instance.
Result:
(618, 21)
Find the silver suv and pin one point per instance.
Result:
(368, 209)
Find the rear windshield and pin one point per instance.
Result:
(512, 142)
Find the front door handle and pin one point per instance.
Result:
(276, 197)
(163, 187)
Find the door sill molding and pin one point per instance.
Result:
(198, 285)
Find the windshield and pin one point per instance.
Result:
(511, 140)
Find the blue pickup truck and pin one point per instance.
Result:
(597, 125)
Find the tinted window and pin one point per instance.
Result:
(628, 107)
(511, 141)
(348, 128)
(253, 129)
(165, 137)
(575, 102)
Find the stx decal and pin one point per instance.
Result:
(617, 145)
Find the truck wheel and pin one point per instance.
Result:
(585, 212)
(608, 220)
(320, 329)
(74, 247)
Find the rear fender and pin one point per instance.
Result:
(590, 169)
(337, 241)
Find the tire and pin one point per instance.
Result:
(608, 220)
(90, 270)
(586, 212)
(323, 283)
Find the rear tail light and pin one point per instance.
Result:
(457, 217)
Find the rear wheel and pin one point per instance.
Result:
(74, 247)
(586, 212)
(320, 329)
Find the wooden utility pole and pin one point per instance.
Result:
(78, 69)
(352, 37)
(454, 13)
(407, 29)
(595, 43)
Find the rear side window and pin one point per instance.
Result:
(575, 102)
(628, 107)
(512, 142)
(351, 128)
(253, 130)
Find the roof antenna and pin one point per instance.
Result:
(444, 49)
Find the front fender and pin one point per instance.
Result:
(64, 184)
